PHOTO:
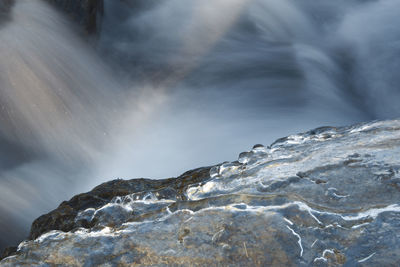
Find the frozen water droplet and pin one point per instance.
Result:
(244, 157)
(214, 172)
(150, 197)
(86, 215)
(118, 200)
(259, 149)
(229, 168)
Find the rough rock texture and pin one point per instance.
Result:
(88, 13)
(328, 197)
(63, 218)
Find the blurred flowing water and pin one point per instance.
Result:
(171, 85)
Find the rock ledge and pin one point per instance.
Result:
(327, 197)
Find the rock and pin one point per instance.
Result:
(63, 218)
(327, 197)
(88, 13)
(10, 251)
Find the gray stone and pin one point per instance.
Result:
(327, 197)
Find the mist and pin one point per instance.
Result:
(169, 86)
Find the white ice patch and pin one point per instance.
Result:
(288, 221)
(372, 213)
(323, 257)
(359, 225)
(314, 242)
(299, 241)
(367, 258)
(305, 207)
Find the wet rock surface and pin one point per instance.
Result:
(64, 218)
(327, 197)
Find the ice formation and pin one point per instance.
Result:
(327, 197)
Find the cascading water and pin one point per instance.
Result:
(56, 104)
(187, 83)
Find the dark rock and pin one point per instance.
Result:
(63, 218)
(10, 251)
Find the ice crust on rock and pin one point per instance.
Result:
(327, 197)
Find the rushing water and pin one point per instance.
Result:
(176, 84)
